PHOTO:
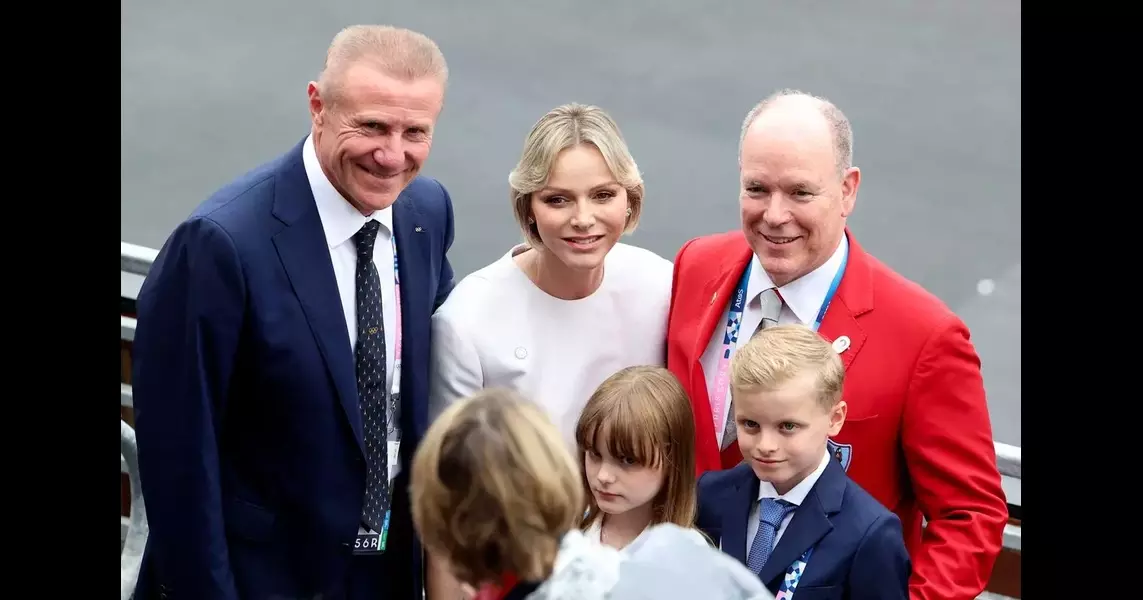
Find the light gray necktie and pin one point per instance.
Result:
(771, 308)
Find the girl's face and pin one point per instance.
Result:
(618, 483)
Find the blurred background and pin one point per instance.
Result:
(213, 88)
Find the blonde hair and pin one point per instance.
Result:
(777, 354)
(397, 52)
(643, 413)
(494, 488)
(565, 127)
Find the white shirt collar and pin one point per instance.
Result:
(338, 217)
(805, 294)
(797, 494)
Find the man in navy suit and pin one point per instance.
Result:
(788, 511)
(281, 357)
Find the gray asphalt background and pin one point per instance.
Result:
(213, 88)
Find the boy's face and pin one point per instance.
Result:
(782, 432)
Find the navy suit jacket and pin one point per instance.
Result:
(858, 548)
(250, 444)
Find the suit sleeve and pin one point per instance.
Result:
(190, 313)
(880, 568)
(447, 277)
(675, 363)
(675, 268)
(678, 365)
(705, 512)
(947, 439)
(455, 371)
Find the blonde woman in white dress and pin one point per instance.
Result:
(556, 315)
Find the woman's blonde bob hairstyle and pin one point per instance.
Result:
(565, 127)
(494, 488)
(643, 413)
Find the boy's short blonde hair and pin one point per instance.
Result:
(494, 488)
(779, 353)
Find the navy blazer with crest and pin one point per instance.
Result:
(858, 548)
(250, 440)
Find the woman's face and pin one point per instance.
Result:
(582, 210)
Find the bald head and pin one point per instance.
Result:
(802, 118)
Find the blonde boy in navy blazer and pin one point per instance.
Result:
(788, 511)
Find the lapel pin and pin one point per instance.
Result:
(418, 229)
(841, 344)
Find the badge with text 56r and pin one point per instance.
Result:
(372, 542)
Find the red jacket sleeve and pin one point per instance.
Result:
(673, 360)
(676, 267)
(947, 438)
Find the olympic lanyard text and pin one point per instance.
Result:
(396, 389)
(718, 403)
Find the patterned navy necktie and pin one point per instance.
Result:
(770, 516)
(371, 379)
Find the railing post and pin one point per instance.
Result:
(136, 539)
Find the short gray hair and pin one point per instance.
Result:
(562, 128)
(400, 53)
(837, 121)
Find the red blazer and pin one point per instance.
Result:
(918, 430)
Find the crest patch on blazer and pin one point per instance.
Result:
(843, 453)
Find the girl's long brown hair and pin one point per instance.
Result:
(643, 413)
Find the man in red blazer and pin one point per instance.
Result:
(918, 435)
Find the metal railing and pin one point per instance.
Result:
(133, 529)
(1008, 461)
(137, 260)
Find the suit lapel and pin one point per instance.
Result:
(854, 298)
(304, 253)
(810, 523)
(412, 253)
(719, 290)
(412, 257)
(715, 296)
(734, 520)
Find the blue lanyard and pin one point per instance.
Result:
(734, 323)
(833, 286)
(739, 305)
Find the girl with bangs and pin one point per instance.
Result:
(636, 442)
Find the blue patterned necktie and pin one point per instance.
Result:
(770, 516)
(369, 354)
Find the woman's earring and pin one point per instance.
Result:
(628, 212)
(532, 221)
